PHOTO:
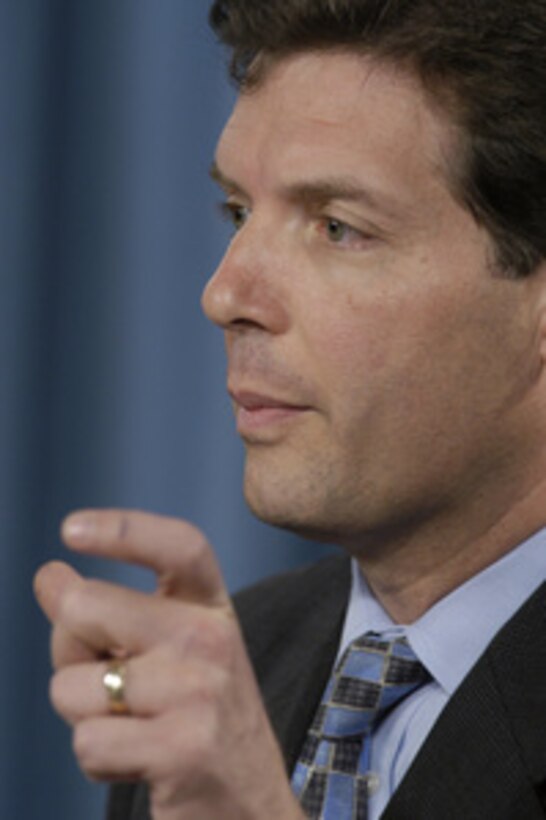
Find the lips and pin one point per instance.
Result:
(257, 401)
(255, 411)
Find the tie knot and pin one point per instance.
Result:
(373, 675)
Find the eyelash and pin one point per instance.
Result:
(237, 214)
(230, 210)
(348, 231)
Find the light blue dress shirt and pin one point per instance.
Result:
(448, 639)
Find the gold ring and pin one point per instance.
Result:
(114, 682)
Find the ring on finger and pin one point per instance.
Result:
(114, 681)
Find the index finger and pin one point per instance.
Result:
(176, 551)
(51, 583)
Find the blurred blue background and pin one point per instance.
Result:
(111, 382)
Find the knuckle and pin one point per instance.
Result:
(64, 694)
(56, 647)
(197, 553)
(83, 745)
(71, 603)
(207, 694)
(78, 599)
(191, 534)
(224, 642)
(211, 639)
(203, 750)
(193, 749)
(122, 527)
(57, 693)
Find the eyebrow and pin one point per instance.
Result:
(321, 192)
(330, 189)
(222, 180)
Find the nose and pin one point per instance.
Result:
(247, 287)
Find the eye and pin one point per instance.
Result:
(234, 213)
(337, 232)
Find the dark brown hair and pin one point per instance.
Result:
(484, 61)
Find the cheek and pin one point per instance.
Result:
(353, 347)
(353, 336)
(386, 367)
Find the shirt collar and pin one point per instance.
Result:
(450, 637)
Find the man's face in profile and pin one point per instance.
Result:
(376, 361)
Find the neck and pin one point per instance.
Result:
(411, 572)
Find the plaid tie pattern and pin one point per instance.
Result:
(332, 776)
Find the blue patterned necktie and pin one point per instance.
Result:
(332, 776)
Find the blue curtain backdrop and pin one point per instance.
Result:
(111, 382)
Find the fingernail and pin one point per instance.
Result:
(78, 529)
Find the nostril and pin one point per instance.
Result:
(244, 323)
(244, 292)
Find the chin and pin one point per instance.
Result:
(287, 514)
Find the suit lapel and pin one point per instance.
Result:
(293, 705)
(292, 627)
(486, 755)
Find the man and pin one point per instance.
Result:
(384, 307)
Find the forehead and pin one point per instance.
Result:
(336, 112)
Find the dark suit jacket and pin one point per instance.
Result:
(485, 758)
